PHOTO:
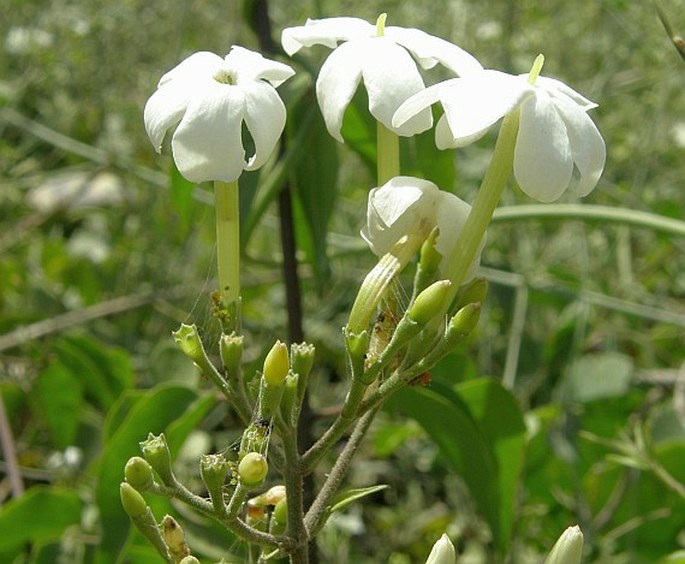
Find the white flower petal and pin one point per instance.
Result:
(430, 50)
(199, 66)
(265, 119)
(164, 109)
(247, 65)
(543, 164)
(557, 88)
(442, 552)
(587, 146)
(402, 206)
(390, 76)
(338, 79)
(328, 32)
(475, 102)
(416, 104)
(207, 143)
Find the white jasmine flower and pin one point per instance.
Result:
(442, 552)
(555, 133)
(412, 207)
(210, 98)
(382, 58)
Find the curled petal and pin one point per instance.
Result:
(390, 76)
(207, 143)
(430, 50)
(328, 32)
(402, 206)
(338, 79)
(248, 65)
(417, 103)
(587, 146)
(265, 119)
(164, 109)
(558, 89)
(543, 163)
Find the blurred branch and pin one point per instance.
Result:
(597, 213)
(9, 453)
(58, 323)
(677, 40)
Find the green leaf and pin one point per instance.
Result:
(315, 180)
(347, 497)
(181, 192)
(479, 429)
(152, 413)
(500, 419)
(41, 514)
(59, 395)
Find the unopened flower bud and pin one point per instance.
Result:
(252, 469)
(568, 549)
(429, 259)
(134, 503)
(175, 538)
(188, 340)
(189, 560)
(138, 473)
(442, 552)
(430, 302)
(276, 364)
(281, 511)
(463, 322)
(156, 452)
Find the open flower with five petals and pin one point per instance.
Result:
(381, 57)
(207, 98)
(413, 207)
(555, 134)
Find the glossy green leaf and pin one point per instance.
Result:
(315, 182)
(59, 395)
(500, 419)
(41, 514)
(151, 413)
(479, 429)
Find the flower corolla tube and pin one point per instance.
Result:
(381, 57)
(208, 98)
(412, 207)
(555, 133)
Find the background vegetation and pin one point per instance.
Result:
(567, 406)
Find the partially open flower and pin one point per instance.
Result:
(412, 207)
(555, 133)
(209, 98)
(382, 58)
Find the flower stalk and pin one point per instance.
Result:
(228, 251)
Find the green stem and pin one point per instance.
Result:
(388, 154)
(496, 177)
(228, 248)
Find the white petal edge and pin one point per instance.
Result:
(587, 145)
(557, 88)
(198, 66)
(207, 143)
(391, 77)
(430, 50)
(164, 109)
(249, 65)
(543, 164)
(327, 32)
(338, 79)
(265, 119)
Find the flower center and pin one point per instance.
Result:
(224, 76)
(380, 25)
(535, 70)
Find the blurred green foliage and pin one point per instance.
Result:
(567, 407)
